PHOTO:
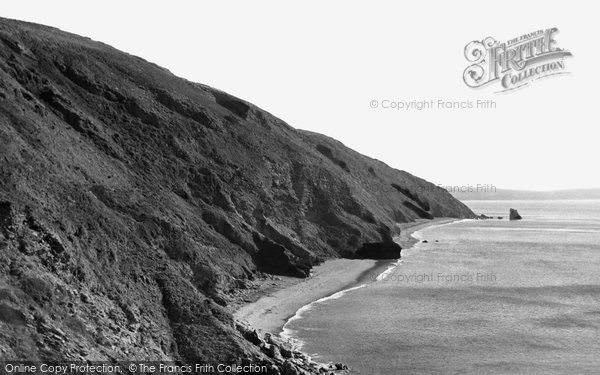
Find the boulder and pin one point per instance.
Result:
(341, 366)
(250, 333)
(254, 337)
(275, 353)
(285, 348)
(286, 352)
(514, 214)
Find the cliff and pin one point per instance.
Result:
(133, 202)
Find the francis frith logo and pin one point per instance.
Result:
(515, 63)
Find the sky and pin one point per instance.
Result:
(319, 65)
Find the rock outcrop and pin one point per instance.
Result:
(379, 250)
(514, 215)
(287, 359)
(133, 203)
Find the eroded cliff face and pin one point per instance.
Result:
(133, 202)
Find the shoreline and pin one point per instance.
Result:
(282, 297)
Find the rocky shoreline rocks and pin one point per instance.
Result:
(286, 360)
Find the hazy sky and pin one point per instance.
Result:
(319, 64)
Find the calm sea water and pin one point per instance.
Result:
(489, 297)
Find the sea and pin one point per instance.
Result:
(478, 297)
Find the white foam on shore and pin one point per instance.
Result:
(418, 234)
(288, 333)
(389, 270)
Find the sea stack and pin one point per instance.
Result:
(514, 215)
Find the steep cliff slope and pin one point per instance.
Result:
(133, 201)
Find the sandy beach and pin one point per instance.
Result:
(285, 295)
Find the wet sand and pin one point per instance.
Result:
(285, 295)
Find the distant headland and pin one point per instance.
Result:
(508, 194)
